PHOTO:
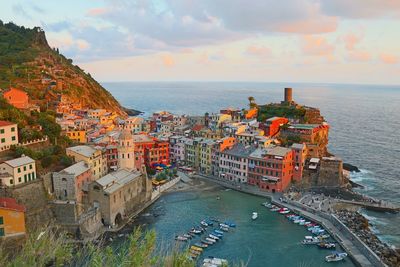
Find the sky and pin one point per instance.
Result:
(321, 41)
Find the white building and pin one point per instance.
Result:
(17, 171)
(233, 163)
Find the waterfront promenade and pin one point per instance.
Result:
(361, 254)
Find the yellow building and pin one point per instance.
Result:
(8, 135)
(77, 135)
(94, 157)
(205, 155)
(12, 218)
(17, 171)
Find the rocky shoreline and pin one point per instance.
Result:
(360, 226)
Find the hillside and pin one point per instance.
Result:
(27, 62)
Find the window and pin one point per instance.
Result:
(1, 220)
(19, 170)
(30, 166)
(1, 231)
(12, 129)
(19, 179)
(12, 138)
(24, 168)
(1, 131)
(3, 140)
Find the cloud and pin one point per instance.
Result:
(66, 42)
(316, 46)
(359, 56)
(351, 40)
(260, 51)
(389, 58)
(361, 8)
(97, 11)
(19, 10)
(168, 60)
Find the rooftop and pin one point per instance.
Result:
(86, 151)
(116, 180)
(239, 150)
(6, 123)
(11, 204)
(76, 169)
(271, 151)
(19, 161)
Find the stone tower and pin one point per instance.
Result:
(288, 95)
(126, 155)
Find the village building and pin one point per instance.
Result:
(233, 163)
(151, 149)
(271, 168)
(78, 136)
(206, 146)
(299, 159)
(96, 113)
(17, 98)
(72, 183)
(272, 125)
(12, 218)
(17, 171)
(177, 149)
(134, 124)
(219, 146)
(8, 135)
(94, 157)
(119, 194)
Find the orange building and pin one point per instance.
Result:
(151, 150)
(12, 218)
(251, 113)
(17, 98)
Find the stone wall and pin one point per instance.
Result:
(35, 198)
(330, 172)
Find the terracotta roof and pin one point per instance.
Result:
(11, 204)
(6, 123)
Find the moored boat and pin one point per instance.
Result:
(180, 238)
(211, 261)
(204, 223)
(225, 229)
(336, 257)
(326, 245)
(213, 237)
(254, 216)
(230, 224)
(224, 225)
(204, 241)
(196, 248)
(212, 240)
(201, 245)
(218, 231)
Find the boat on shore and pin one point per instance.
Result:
(254, 216)
(336, 257)
(214, 262)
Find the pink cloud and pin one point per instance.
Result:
(359, 56)
(168, 60)
(317, 24)
(316, 46)
(351, 40)
(255, 50)
(389, 59)
(97, 11)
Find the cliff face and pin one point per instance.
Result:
(27, 62)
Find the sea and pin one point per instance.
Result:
(364, 120)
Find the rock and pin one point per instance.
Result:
(351, 168)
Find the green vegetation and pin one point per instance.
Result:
(49, 249)
(278, 110)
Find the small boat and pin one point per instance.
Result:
(217, 234)
(196, 248)
(326, 245)
(181, 238)
(218, 231)
(303, 223)
(318, 231)
(209, 222)
(196, 252)
(267, 205)
(324, 236)
(312, 241)
(211, 261)
(225, 229)
(201, 245)
(188, 236)
(336, 257)
(193, 256)
(275, 208)
(230, 224)
(284, 211)
(195, 231)
(211, 240)
(204, 223)
(299, 220)
(206, 242)
(224, 225)
(213, 237)
(254, 215)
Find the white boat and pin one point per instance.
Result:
(213, 237)
(180, 238)
(336, 257)
(254, 216)
(224, 225)
(312, 241)
(211, 240)
(211, 261)
(204, 223)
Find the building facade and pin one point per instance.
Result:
(94, 157)
(8, 135)
(18, 171)
(12, 218)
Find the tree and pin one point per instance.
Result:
(252, 102)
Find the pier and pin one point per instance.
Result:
(375, 206)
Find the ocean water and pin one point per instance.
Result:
(364, 119)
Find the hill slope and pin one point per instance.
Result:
(27, 62)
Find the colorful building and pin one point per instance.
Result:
(151, 150)
(272, 125)
(8, 135)
(17, 98)
(271, 168)
(251, 113)
(12, 218)
(299, 160)
(71, 182)
(94, 157)
(206, 146)
(77, 135)
(233, 163)
(18, 171)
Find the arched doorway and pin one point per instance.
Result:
(118, 219)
